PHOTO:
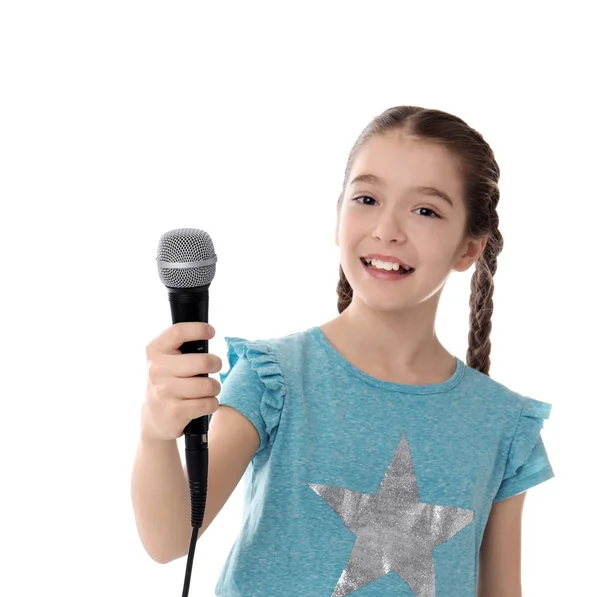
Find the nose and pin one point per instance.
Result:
(388, 229)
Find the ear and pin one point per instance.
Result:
(471, 251)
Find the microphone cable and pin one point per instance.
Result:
(190, 563)
(196, 456)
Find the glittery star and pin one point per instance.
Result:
(395, 531)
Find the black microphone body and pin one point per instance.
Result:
(191, 304)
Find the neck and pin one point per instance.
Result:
(392, 341)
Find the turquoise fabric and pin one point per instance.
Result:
(324, 422)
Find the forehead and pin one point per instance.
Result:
(405, 161)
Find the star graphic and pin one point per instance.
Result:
(394, 530)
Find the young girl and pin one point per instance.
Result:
(377, 463)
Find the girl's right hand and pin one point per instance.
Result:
(174, 396)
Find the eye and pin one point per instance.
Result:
(430, 212)
(363, 197)
(435, 214)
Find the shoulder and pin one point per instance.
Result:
(283, 348)
(281, 355)
(258, 379)
(500, 396)
(519, 417)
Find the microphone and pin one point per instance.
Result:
(186, 266)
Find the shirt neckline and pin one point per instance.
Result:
(316, 333)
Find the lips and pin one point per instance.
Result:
(387, 258)
(382, 274)
(403, 267)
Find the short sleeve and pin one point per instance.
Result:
(527, 462)
(254, 386)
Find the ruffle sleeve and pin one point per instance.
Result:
(527, 462)
(254, 385)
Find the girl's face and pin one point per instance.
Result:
(388, 214)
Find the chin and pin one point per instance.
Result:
(392, 300)
(378, 299)
(386, 306)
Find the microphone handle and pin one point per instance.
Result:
(191, 304)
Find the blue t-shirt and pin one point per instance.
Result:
(365, 487)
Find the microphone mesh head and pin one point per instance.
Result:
(186, 258)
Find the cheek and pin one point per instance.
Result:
(348, 243)
(433, 252)
(347, 231)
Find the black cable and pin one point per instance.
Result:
(190, 561)
(196, 456)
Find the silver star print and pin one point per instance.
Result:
(395, 531)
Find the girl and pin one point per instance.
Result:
(377, 463)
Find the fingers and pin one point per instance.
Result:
(192, 409)
(187, 388)
(184, 365)
(169, 341)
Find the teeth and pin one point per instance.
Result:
(386, 265)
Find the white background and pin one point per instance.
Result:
(122, 120)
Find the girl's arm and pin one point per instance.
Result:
(500, 553)
(160, 485)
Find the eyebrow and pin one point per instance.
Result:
(374, 179)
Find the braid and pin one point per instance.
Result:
(481, 301)
(344, 292)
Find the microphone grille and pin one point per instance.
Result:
(186, 258)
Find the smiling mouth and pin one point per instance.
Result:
(401, 270)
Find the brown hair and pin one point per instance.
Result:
(480, 174)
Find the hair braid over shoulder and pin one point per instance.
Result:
(481, 300)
